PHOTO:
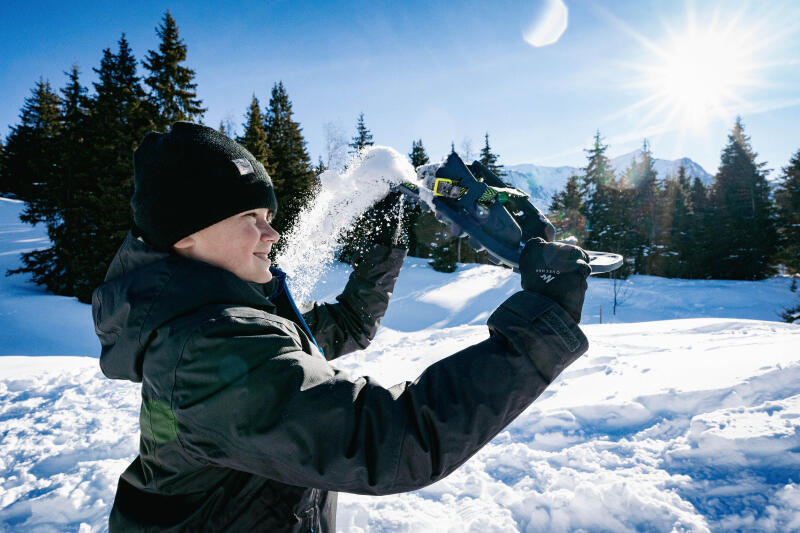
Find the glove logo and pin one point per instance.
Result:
(547, 278)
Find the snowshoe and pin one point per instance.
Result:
(475, 203)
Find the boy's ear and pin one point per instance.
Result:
(186, 242)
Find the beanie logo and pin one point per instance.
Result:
(244, 166)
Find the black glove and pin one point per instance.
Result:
(556, 270)
(384, 220)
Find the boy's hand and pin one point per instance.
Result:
(556, 270)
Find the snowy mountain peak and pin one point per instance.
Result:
(542, 182)
(664, 167)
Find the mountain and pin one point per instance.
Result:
(542, 182)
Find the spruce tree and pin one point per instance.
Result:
(696, 254)
(119, 116)
(363, 136)
(565, 211)
(444, 253)
(606, 206)
(787, 201)
(598, 170)
(674, 226)
(289, 165)
(489, 159)
(255, 138)
(742, 214)
(413, 211)
(34, 164)
(30, 162)
(418, 156)
(172, 91)
(72, 188)
(643, 180)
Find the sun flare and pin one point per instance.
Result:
(700, 73)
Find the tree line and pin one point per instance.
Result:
(738, 227)
(69, 158)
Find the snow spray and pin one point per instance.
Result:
(311, 244)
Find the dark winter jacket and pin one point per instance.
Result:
(245, 426)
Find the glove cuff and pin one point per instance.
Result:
(535, 326)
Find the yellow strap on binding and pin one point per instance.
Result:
(436, 185)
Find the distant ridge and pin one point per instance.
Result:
(542, 182)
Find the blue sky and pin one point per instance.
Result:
(447, 72)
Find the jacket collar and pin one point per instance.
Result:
(146, 288)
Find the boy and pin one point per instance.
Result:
(245, 425)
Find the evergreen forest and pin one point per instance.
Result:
(69, 158)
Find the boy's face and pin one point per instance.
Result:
(239, 244)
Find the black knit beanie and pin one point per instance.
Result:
(191, 177)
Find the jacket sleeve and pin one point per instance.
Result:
(248, 397)
(350, 324)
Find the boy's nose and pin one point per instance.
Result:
(268, 233)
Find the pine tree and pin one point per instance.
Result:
(643, 179)
(30, 163)
(34, 165)
(787, 201)
(362, 138)
(255, 138)
(489, 159)
(598, 170)
(72, 189)
(444, 254)
(413, 211)
(58, 202)
(172, 92)
(290, 166)
(606, 207)
(119, 116)
(742, 214)
(674, 226)
(565, 211)
(696, 253)
(418, 156)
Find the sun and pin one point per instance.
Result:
(701, 73)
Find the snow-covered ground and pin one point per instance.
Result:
(683, 416)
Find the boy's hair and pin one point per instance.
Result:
(191, 177)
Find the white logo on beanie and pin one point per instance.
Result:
(244, 166)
